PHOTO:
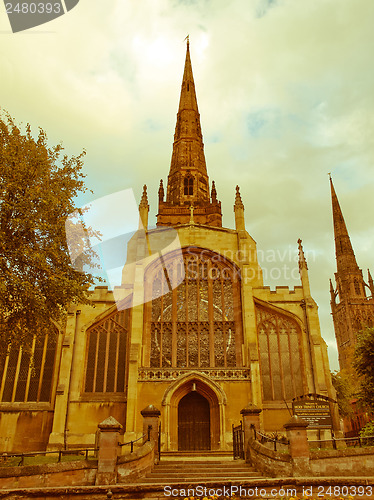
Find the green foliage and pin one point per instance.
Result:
(345, 390)
(368, 430)
(364, 366)
(38, 184)
(367, 434)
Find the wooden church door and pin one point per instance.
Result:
(193, 423)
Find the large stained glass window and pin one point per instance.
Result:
(280, 355)
(197, 323)
(106, 354)
(26, 374)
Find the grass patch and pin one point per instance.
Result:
(42, 459)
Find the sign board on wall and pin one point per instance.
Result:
(314, 409)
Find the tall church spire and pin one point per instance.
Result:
(345, 257)
(188, 181)
(188, 157)
(351, 309)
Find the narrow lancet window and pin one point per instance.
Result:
(188, 185)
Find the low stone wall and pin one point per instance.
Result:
(357, 462)
(80, 473)
(271, 463)
(77, 473)
(347, 462)
(137, 464)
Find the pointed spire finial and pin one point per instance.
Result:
(332, 293)
(144, 200)
(239, 211)
(188, 41)
(302, 260)
(143, 210)
(238, 199)
(161, 192)
(371, 284)
(213, 193)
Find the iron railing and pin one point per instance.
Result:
(263, 438)
(84, 452)
(159, 442)
(131, 443)
(353, 441)
(238, 441)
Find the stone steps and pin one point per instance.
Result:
(200, 471)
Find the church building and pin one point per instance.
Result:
(196, 333)
(351, 306)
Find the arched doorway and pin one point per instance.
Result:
(193, 422)
(194, 382)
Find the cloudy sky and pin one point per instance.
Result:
(285, 91)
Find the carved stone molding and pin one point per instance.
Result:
(162, 374)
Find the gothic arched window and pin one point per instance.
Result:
(280, 355)
(26, 375)
(106, 354)
(357, 286)
(188, 185)
(198, 323)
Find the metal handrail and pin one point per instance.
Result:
(267, 438)
(72, 451)
(358, 439)
(148, 434)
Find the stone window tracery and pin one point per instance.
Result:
(197, 323)
(280, 355)
(26, 375)
(188, 185)
(106, 354)
(357, 287)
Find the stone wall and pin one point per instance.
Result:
(47, 475)
(270, 463)
(136, 465)
(346, 462)
(25, 427)
(357, 462)
(79, 473)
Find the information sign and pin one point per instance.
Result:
(314, 409)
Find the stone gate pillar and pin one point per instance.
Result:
(151, 416)
(251, 416)
(108, 451)
(299, 446)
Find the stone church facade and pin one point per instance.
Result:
(195, 332)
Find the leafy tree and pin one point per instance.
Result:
(38, 185)
(346, 389)
(364, 365)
